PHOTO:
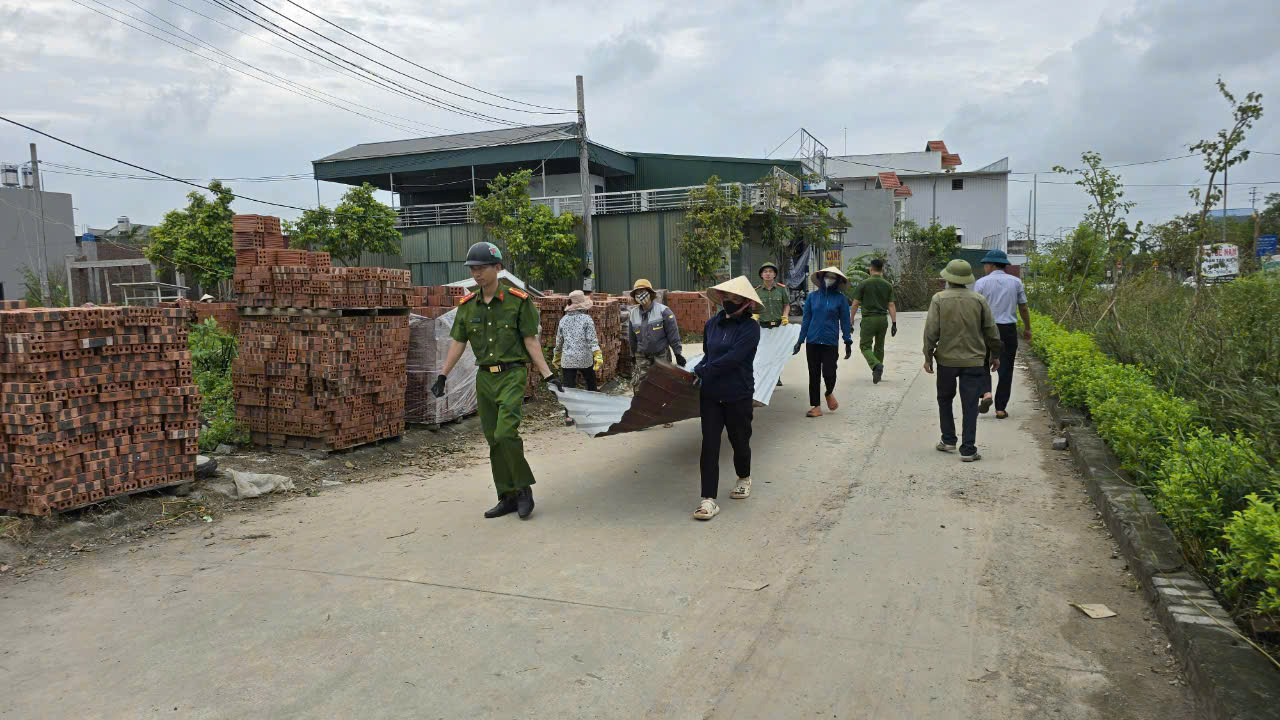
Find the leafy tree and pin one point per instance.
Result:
(1107, 207)
(197, 240)
(35, 297)
(1269, 215)
(939, 243)
(714, 224)
(1219, 155)
(541, 244)
(359, 224)
(1079, 257)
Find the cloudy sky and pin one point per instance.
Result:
(1038, 82)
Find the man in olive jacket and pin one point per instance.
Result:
(959, 332)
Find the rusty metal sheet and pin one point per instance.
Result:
(668, 394)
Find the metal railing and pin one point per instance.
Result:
(610, 203)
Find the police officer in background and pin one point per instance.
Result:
(776, 298)
(501, 323)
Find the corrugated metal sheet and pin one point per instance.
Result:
(643, 240)
(678, 275)
(613, 254)
(458, 236)
(668, 395)
(413, 245)
(664, 171)
(430, 273)
(440, 249)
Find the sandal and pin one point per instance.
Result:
(984, 404)
(1001, 414)
(813, 412)
(707, 510)
(832, 405)
(743, 490)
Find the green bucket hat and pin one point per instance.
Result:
(959, 272)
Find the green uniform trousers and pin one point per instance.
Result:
(500, 400)
(874, 328)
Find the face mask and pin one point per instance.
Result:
(642, 298)
(829, 281)
(731, 307)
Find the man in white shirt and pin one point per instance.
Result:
(1003, 292)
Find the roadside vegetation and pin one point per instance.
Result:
(212, 352)
(1180, 376)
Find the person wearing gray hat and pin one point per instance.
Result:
(960, 333)
(1003, 292)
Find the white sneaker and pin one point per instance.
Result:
(743, 490)
(707, 510)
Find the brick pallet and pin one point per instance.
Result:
(223, 313)
(322, 349)
(96, 403)
(692, 310)
(429, 342)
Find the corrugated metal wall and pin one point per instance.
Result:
(664, 171)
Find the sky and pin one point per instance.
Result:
(1038, 82)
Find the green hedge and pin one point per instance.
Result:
(1215, 490)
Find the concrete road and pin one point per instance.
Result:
(868, 576)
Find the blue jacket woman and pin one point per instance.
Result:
(726, 378)
(826, 317)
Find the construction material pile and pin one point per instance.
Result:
(222, 313)
(605, 313)
(429, 342)
(322, 349)
(692, 310)
(97, 403)
(432, 301)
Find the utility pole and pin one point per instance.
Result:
(1030, 200)
(1035, 216)
(42, 263)
(1224, 205)
(584, 173)
(1257, 221)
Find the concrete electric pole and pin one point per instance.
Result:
(584, 175)
(42, 262)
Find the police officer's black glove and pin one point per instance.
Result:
(553, 381)
(893, 330)
(796, 350)
(680, 360)
(848, 349)
(437, 389)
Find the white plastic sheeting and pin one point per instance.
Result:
(428, 345)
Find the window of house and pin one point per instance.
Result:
(957, 183)
(899, 210)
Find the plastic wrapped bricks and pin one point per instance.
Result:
(428, 344)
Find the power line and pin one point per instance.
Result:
(435, 102)
(406, 129)
(554, 111)
(139, 167)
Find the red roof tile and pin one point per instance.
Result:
(888, 180)
(950, 159)
(936, 146)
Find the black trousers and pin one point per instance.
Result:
(970, 381)
(822, 362)
(1009, 338)
(735, 417)
(588, 375)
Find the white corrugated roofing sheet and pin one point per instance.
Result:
(668, 393)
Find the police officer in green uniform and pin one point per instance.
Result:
(875, 295)
(776, 298)
(501, 323)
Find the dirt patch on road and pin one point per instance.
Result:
(29, 544)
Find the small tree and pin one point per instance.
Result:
(1220, 154)
(197, 239)
(714, 224)
(35, 297)
(359, 224)
(541, 244)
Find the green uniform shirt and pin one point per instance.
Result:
(775, 302)
(874, 295)
(497, 329)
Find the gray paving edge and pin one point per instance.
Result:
(1229, 678)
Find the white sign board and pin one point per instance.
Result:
(1221, 262)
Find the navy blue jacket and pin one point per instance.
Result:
(727, 369)
(826, 317)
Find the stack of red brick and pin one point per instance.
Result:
(223, 313)
(96, 403)
(322, 348)
(12, 304)
(250, 232)
(692, 310)
(432, 301)
(604, 313)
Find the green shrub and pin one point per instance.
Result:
(212, 352)
(1203, 481)
(1250, 568)
(1137, 420)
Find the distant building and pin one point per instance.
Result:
(25, 215)
(123, 241)
(925, 187)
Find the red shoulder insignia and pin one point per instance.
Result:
(467, 298)
(519, 293)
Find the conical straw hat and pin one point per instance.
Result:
(833, 270)
(739, 286)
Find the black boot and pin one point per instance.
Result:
(507, 504)
(876, 372)
(524, 502)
